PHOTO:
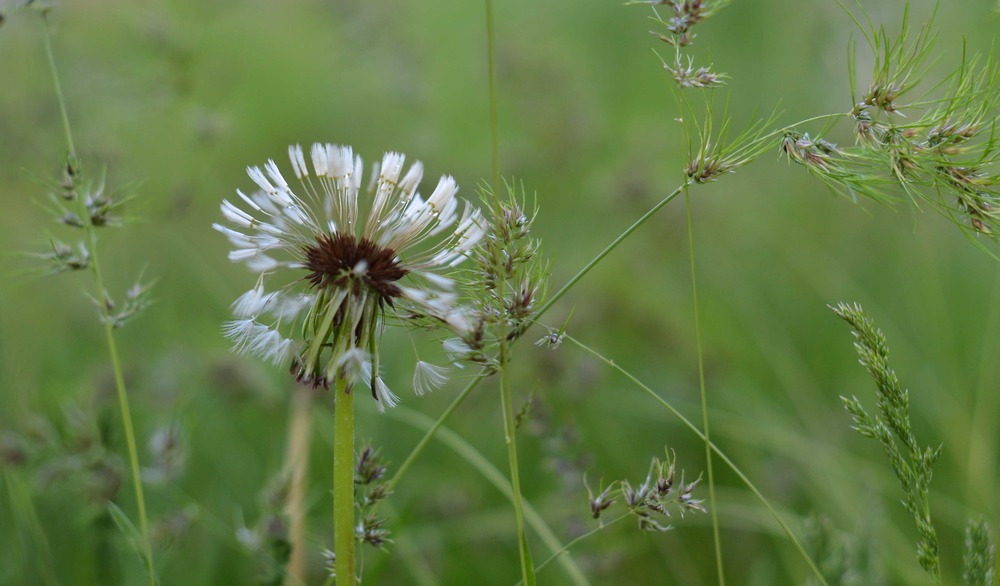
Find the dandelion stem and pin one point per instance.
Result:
(704, 395)
(297, 461)
(722, 456)
(343, 485)
(101, 295)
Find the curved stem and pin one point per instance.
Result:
(565, 549)
(704, 396)
(343, 486)
(495, 477)
(722, 456)
(101, 296)
(433, 429)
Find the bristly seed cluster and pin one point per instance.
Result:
(371, 489)
(946, 156)
(652, 500)
(684, 15)
(507, 282)
(88, 206)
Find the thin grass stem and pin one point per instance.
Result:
(494, 117)
(607, 250)
(704, 395)
(722, 456)
(495, 477)
(565, 548)
(510, 438)
(123, 405)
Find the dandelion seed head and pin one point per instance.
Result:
(346, 259)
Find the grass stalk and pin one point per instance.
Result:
(91, 234)
(343, 485)
(495, 477)
(721, 455)
(704, 396)
(297, 463)
(527, 566)
(491, 50)
(510, 437)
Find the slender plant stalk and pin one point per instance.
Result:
(343, 486)
(565, 548)
(494, 118)
(91, 232)
(527, 566)
(704, 395)
(607, 250)
(495, 477)
(297, 461)
(430, 432)
(722, 456)
(510, 433)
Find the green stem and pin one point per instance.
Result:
(607, 249)
(565, 549)
(91, 232)
(343, 485)
(433, 429)
(495, 477)
(494, 118)
(527, 566)
(721, 455)
(704, 395)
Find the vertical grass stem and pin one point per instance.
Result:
(123, 405)
(704, 397)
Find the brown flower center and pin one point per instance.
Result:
(343, 261)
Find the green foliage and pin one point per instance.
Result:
(164, 91)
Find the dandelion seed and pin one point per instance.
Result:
(349, 258)
(427, 377)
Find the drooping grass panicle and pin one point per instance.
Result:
(911, 462)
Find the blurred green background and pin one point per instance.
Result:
(176, 98)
